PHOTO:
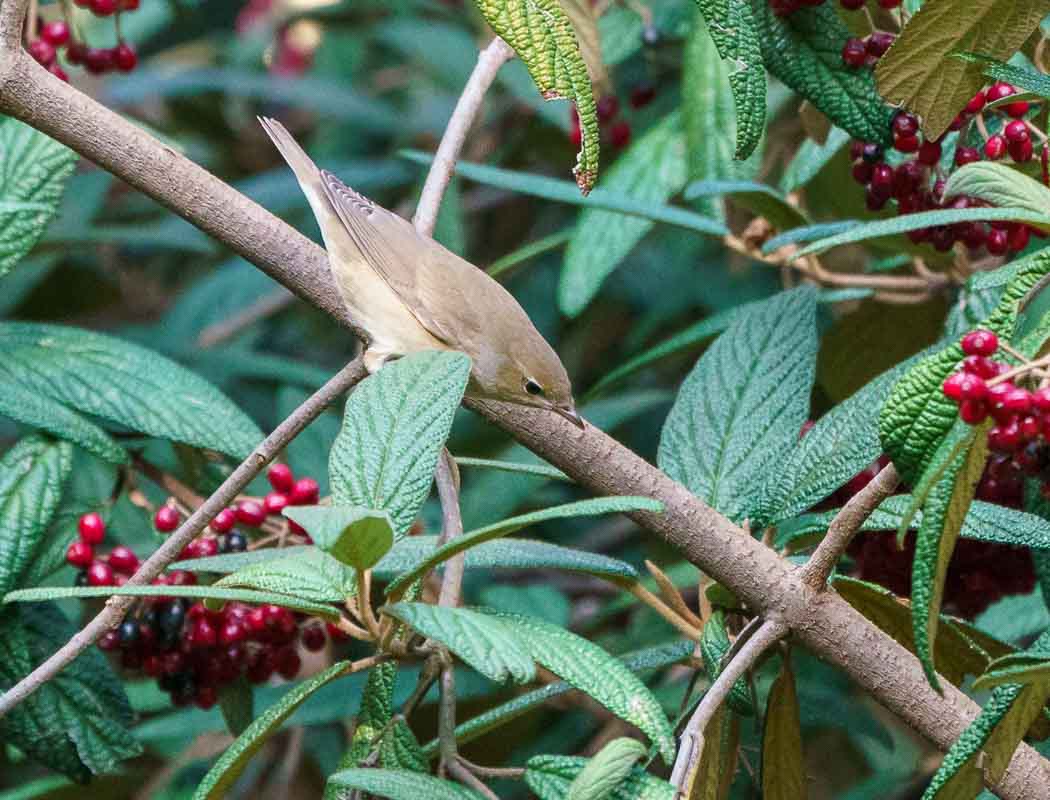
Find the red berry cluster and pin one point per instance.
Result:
(783, 8)
(53, 36)
(617, 129)
(917, 183)
(113, 569)
(291, 55)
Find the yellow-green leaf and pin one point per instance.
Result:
(783, 775)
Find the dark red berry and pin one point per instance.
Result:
(966, 155)
(125, 57)
(206, 697)
(92, 528)
(976, 103)
(642, 95)
(607, 107)
(1016, 109)
(76, 52)
(55, 33)
(980, 342)
(854, 53)
(930, 153)
(905, 124)
(281, 478)
(110, 640)
(100, 574)
(166, 519)
(288, 662)
(878, 43)
(58, 72)
(275, 502)
(233, 631)
(997, 91)
(1017, 402)
(123, 559)
(313, 638)
(1016, 131)
(251, 512)
(620, 134)
(42, 51)
(1005, 438)
(998, 242)
(104, 8)
(98, 60)
(201, 633)
(995, 147)
(973, 412)
(305, 492)
(1017, 237)
(224, 521)
(852, 5)
(1020, 151)
(80, 554)
(906, 144)
(889, 3)
(861, 172)
(882, 179)
(1041, 399)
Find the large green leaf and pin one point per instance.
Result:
(593, 671)
(783, 766)
(77, 722)
(401, 785)
(552, 777)
(394, 428)
(312, 575)
(125, 384)
(581, 508)
(651, 170)
(804, 50)
(355, 536)
(32, 476)
(740, 411)
(1000, 185)
(482, 641)
(543, 37)
(918, 74)
(33, 172)
(231, 764)
(731, 25)
(607, 770)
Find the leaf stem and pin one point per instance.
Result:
(664, 610)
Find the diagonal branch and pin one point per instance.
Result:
(771, 587)
(117, 607)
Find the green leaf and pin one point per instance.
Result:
(761, 200)
(810, 159)
(804, 50)
(237, 703)
(602, 198)
(741, 409)
(551, 777)
(1026, 80)
(124, 383)
(394, 429)
(584, 21)
(32, 476)
(581, 508)
(35, 168)
(917, 415)
(593, 671)
(716, 764)
(508, 466)
(312, 575)
(651, 170)
(1017, 674)
(917, 72)
(355, 536)
(842, 443)
(231, 764)
(401, 785)
(485, 643)
(205, 592)
(607, 770)
(924, 219)
(731, 25)
(783, 775)
(77, 722)
(714, 644)
(982, 753)
(1001, 186)
(544, 39)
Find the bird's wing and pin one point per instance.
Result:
(444, 292)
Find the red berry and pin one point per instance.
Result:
(288, 662)
(607, 107)
(166, 519)
(1016, 131)
(129, 5)
(861, 172)
(58, 72)
(98, 60)
(123, 559)
(1041, 399)
(76, 52)
(233, 631)
(55, 33)
(260, 665)
(620, 134)
(125, 57)
(251, 512)
(966, 155)
(642, 95)
(201, 633)
(100, 574)
(972, 387)
(281, 478)
(997, 91)
(206, 697)
(1020, 151)
(1017, 402)
(335, 633)
(576, 135)
(103, 8)
(207, 546)
(182, 577)
(1017, 237)
(305, 492)
(43, 52)
(854, 53)
(980, 343)
(981, 366)
(905, 124)
(313, 638)
(998, 242)
(930, 153)
(110, 640)
(1029, 428)
(906, 144)
(224, 521)
(852, 5)
(275, 502)
(1005, 438)
(91, 528)
(882, 179)
(889, 3)
(995, 147)
(80, 554)
(953, 386)
(976, 103)
(973, 412)
(878, 43)
(1016, 109)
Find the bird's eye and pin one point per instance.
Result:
(533, 388)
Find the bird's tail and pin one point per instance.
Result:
(302, 165)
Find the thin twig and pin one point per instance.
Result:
(692, 741)
(468, 778)
(12, 20)
(664, 610)
(466, 111)
(844, 527)
(117, 607)
(266, 306)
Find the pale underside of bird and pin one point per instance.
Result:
(411, 294)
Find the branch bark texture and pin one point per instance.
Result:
(770, 586)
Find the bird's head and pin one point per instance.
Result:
(531, 374)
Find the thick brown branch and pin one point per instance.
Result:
(117, 607)
(771, 587)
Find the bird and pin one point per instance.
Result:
(410, 294)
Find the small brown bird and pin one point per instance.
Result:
(409, 294)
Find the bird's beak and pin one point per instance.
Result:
(570, 413)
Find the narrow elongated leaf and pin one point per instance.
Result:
(842, 443)
(205, 592)
(356, 536)
(482, 641)
(551, 778)
(783, 776)
(581, 508)
(231, 764)
(1000, 185)
(652, 170)
(544, 39)
(714, 645)
(394, 428)
(804, 50)
(32, 475)
(917, 72)
(312, 575)
(592, 670)
(401, 785)
(715, 765)
(237, 703)
(732, 26)
(508, 466)
(34, 168)
(1018, 674)
(1027, 80)
(761, 200)
(742, 407)
(810, 159)
(123, 383)
(607, 770)
(584, 21)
